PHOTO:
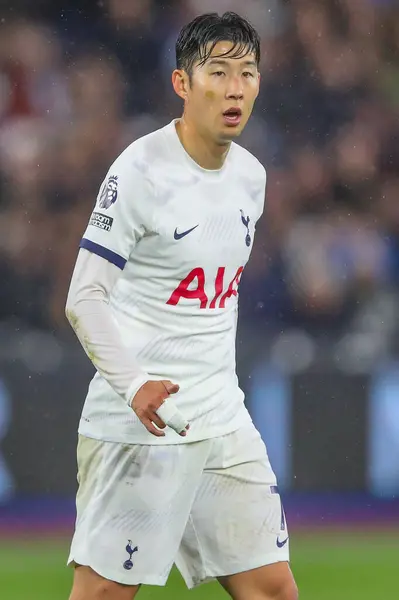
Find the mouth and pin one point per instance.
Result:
(232, 116)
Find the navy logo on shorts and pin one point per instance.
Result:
(128, 564)
(283, 524)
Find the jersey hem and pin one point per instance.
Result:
(170, 439)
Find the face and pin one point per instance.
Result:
(221, 95)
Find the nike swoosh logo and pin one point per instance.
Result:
(179, 236)
(283, 543)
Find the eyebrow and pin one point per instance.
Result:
(220, 61)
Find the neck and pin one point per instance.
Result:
(206, 153)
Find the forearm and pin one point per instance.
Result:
(89, 314)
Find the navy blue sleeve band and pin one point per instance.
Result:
(110, 256)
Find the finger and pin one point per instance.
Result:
(184, 432)
(171, 388)
(156, 419)
(151, 427)
(171, 415)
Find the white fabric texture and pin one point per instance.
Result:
(212, 507)
(180, 237)
(89, 313)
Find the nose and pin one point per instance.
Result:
(234, 89)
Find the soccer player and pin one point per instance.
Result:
(170, 466)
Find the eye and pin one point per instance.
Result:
(218, 73)
(247, 74)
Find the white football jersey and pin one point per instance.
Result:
(181, 235)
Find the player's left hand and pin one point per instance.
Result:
(154, 409)
(172, 417)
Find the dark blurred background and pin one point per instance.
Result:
(319, 324)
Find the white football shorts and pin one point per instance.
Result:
(211, 507)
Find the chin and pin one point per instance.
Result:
(230, 134)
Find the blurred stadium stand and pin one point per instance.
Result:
(319, 323)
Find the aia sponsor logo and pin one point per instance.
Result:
(193, 287)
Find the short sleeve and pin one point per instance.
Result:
(261, 191)
(118, 220)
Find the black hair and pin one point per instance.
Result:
(198, 39)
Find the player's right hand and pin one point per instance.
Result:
(149, 399)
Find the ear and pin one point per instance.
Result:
(181, 83)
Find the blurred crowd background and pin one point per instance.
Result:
(319, 324)
(82, 79)
(78, 84)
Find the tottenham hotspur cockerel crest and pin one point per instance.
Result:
(109, 193)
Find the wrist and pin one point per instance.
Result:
(136, 384)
